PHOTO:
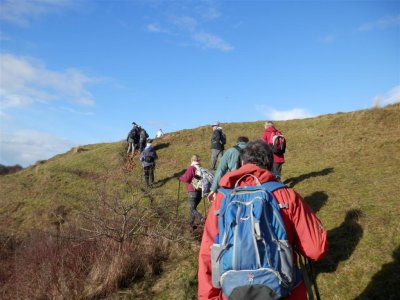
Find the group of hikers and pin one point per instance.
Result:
(258, 233)
(138, 141)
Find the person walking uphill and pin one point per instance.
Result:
(148, 158)
(230, 161)
(302, 227)
(132, 136)
(142, 139)
(218, 141)
(194, 196)
(267, 136)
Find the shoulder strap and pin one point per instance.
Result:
(237, 148)
(272, 186)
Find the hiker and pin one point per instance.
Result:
(142, 139)
(303, 228)
(267, 136)
(148, 158)
(194, 195)
(159, 133)
(230, 161)
(218, 140)
(132, 136)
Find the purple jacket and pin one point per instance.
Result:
(188, 177)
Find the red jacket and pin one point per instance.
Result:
(267, 136)
(303, 228)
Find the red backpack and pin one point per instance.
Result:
(278, 143)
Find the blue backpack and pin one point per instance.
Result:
(251, 257)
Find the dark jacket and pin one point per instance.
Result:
(148, 156)
(217, 139)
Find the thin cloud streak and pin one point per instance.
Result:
(192, 28)
(208, 40)
(386, 22)
(21, 12)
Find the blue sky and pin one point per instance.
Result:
(75, 72)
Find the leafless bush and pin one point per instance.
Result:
(46, 267)
(121, 236)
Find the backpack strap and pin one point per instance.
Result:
(272, 186)
(255, 178)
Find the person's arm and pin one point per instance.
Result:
(221, 171)
(309, 236)
(155, 155)
(205, 288)
(265, 137)
(188, 176)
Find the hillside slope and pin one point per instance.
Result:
(346, 166)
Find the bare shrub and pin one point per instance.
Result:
(47, 267)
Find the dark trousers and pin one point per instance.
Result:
(277, 170)
(149, 175)
(194, 200)
(215, 154)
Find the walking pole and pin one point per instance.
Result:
(205, 208)
(177, 201)
(313, 279)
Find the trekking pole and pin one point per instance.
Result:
(313, 279)
(205, 207)
(177, 201)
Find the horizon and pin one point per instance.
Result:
(75, 72)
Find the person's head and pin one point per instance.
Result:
(215, 125)
(269, 124)
(195, 158)
(149, 141)
(259, 153)
(242, 139)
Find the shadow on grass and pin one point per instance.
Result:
(343, 241)
(161, 182)
(291, 182)
(161, 146)
(385, 283)
(317, 200)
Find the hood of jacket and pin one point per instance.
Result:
(230, 179)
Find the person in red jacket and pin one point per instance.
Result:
(279, 159)
(194, 196)
(303, 228)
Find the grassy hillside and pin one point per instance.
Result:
(346, 166)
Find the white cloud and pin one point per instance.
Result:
(393, 96)
(25, 147)
(279, 115)
(20, 12)
(208, 40)
(386, 22)
(24, 81)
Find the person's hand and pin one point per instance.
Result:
(211, 196)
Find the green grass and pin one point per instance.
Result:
(342, 164)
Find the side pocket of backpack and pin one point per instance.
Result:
(215, 253)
